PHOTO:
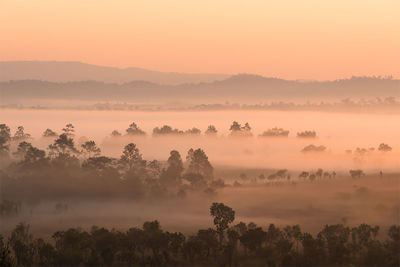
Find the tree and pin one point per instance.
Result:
(313, 148)
(307, 134)
(5, 132)
(237, 130)
(22, 149)
(63, 146)
(173, 175)
(131, 157)
(115, 133)
(21, 242)
(193, 131)
(356, 173)
(133, 129)
(384, 147)
(6, 258)
(199, 164)
(235, 127)
(20, 134)
(69, 130)
(90, 148)
(304, 175)
(275, 132)
(223, 216)
(166, 129)
(49, 133)
(211, 131)
(5, 137)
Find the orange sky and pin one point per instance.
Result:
(309, 39)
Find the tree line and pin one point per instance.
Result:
(227, 244)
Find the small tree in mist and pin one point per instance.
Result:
(115, 133)
(133, 129)
(49, 133)
(90, 149)
(238, 130)
(384, 147)
(69, 130)
(223, 216)
(307, 134)
(211, 131)
(20, 134)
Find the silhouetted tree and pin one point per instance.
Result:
(173, 174)
(115, 133)
(69, 130)
(133, 129)
(223, 216)
(90, 149)
(20, 134)
(307, 134)
(384, 147)
(49, 133)
(199, 164)
(211, 131)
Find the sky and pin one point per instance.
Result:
(309, 39)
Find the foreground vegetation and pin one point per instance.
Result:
(227, 244)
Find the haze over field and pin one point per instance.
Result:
(199, 133)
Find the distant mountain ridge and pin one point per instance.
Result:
(67, 71)
(242, 88)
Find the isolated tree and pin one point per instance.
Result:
(235, 127)
(384, 147)
(356, 173)
(115, 133)
(133, 129)
(275, 132)
(90, 148)
(223, 216)
(211, 131)
(49, 133)
(69, 130)
(307, 134)
(313, 148)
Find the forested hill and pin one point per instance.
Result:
(242, 88)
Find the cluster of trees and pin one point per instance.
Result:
(275, 132)
(74, 169)
(226, 244)
(313, 148)
(318, 174)
(307, 134)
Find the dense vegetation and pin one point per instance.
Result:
(227, 244)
